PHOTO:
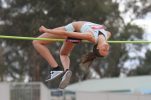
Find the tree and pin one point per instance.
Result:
(144, 68)
(2, 66)
(23, 18)
(138, 9)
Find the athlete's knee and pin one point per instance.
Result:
(36, 42)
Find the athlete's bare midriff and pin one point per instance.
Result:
(77, 25)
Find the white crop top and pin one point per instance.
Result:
(94, 28)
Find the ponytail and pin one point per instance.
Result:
(88, 58)
(91, 56)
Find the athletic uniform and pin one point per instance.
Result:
(87, 27)
(96, 29)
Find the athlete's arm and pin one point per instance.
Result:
(108, 35)
(103, 46)
(84, 36)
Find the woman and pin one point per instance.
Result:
(73, 33)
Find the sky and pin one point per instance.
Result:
(145, 24)
(142, 22)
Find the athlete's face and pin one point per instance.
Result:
(103, 49)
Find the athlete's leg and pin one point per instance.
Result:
(40, 46)
(64, 56)
(85, 35)
(65, 53)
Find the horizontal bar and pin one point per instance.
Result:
(132, 42)
(50, 39)
(28, 38)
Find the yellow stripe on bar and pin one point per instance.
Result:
(60, 40)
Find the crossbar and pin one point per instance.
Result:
(61, 40)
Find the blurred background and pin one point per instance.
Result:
(127, 68)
